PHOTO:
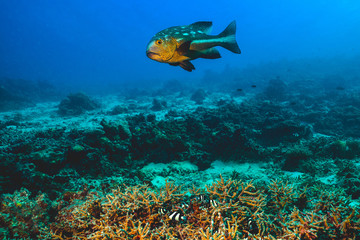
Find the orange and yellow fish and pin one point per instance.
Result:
(179, 45)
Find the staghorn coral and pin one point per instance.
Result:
(226, 209)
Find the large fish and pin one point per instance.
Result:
(179, 45)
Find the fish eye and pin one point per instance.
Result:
(159, 42)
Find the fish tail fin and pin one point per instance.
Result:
(229, 39)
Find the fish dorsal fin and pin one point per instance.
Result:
(184, 48)
(205, 27)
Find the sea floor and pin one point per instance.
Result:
(285, 145)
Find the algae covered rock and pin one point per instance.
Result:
(116, 130)
(199, 96)
(76, 104)
(295, 156)
(344, 149)
(276, 90)
(118, 110)
(158, 105)
(349, 177)
(286, 131)
(75, 154)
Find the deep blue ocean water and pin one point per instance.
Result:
(87, 43)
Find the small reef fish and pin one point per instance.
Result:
(179, 45)
(177, 216)
(162, 211)
(200, 198)
(213, 203)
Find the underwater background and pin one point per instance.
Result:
(97, 141)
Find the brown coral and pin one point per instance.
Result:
(226, 209)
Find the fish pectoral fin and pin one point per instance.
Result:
(187, 65)
(211, 53)
(183, 49)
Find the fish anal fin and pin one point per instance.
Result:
(211, 53)
(187, 65)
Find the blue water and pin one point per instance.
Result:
(101, 43)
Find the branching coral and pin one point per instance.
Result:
(225, 210)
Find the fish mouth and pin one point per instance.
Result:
(151, 54)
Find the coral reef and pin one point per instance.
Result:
(225, 209)
(75, 104)
(251, 131)
(288, 150)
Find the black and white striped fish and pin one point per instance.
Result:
(177, 216)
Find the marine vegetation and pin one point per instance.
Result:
(226, 209)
